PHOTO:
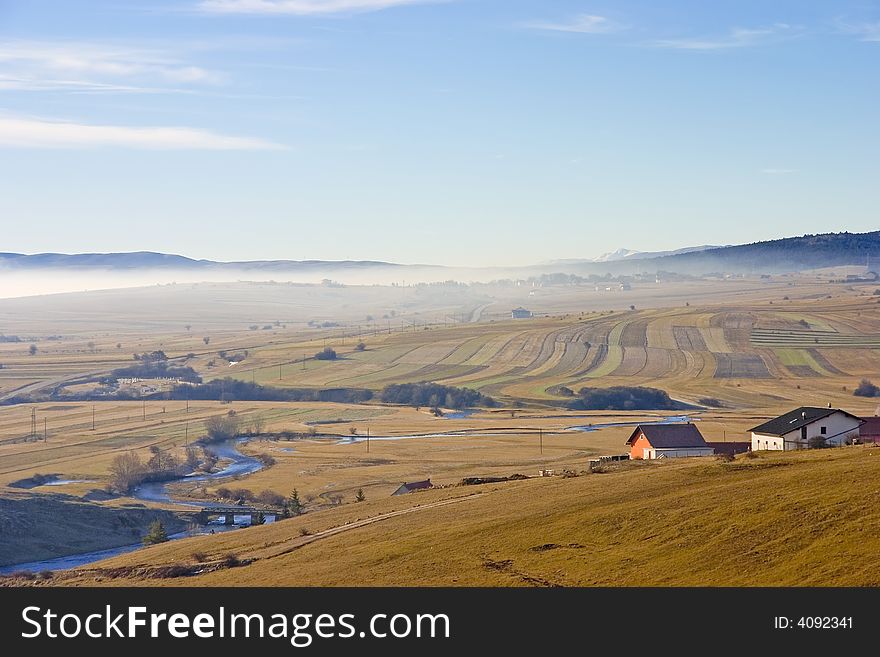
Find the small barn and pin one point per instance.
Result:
(660, 441)
(806, 427)
(869, 432)
(409, 487)
(520, 313)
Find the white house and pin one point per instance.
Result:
(797, 428)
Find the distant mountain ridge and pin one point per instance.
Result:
(154, 260)
(772, 256)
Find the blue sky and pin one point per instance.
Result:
(464, 132)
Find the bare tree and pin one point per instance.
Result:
(32, 350)
(126, 472)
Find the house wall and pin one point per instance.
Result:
(837, 427)
(679, 453)
(640, 444)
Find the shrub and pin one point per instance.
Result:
(231, 560)
(327, 353)
(199, 557)
(360, 346)
(866, 389)
(270, 498)
(304, 531)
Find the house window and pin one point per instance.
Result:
(823, 430)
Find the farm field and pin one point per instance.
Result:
(733, 353)
(777, 520)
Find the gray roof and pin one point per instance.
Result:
(794, 420)
(669, 436)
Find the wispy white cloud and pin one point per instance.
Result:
(84, 66)
(864, 31)
(735, 38)
(28, 132)
(581, 24)
(778, 172)
(303, 7)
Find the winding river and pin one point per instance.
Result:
(239, 464)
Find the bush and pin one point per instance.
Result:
(199, 557)
(231, 560)
(304, 531)
(360, 346)
(866, 389)
(327, 353)
(270, 498)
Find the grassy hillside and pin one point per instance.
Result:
(806, 518)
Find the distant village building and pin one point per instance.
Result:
(520, 313)
(660, 441)
(806, 427)
(409, 487)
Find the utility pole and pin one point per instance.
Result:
(541, 439)
(186, 432)
(279, 371)
(45, 430)
(368, 440)
(93, 417)
(33, 423)
(144, 400)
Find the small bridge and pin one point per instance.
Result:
(228, 512)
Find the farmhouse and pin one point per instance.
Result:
(409, 487)
(806, 427)
(661, 441)
(520, 313)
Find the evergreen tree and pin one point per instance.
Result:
(294, 505)
(156, 533)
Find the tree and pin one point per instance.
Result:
(817, 442)
(294, 505)
(126, 472)
(360, 497)
(162, 461)
(156, 533)
(32, 350)
(188, 327)
(192, 457)
(360, 346)
(353, 431)
(257, 425)
(206, 339)
(222, 427)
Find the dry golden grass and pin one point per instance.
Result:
(807, 518)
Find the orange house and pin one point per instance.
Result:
(658, 441)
